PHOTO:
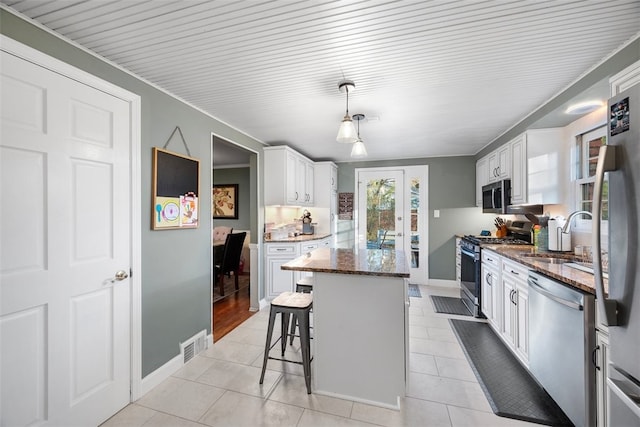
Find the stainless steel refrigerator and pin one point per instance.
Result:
(621, 308)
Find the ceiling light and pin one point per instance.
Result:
(347, 132)
(584, 107)
(358, 151)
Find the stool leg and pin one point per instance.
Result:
(305, 344)
(272, 319)
(284, 331)
(294, 323)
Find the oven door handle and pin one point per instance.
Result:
(468, 253)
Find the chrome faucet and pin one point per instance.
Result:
(567, 224)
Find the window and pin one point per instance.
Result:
(587, 149)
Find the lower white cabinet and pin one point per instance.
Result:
(279, 280)
(505, 301)
(515, 309)
(490, 292)
(601, 361)
(276, 254)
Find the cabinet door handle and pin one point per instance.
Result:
(280, 249)
(593, 357)
(515, 272)
(513, 294)
(488, 279)
(296, 195)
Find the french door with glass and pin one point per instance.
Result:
(392, 213)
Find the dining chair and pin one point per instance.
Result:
(230, 262)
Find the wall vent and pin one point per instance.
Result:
(194, 345)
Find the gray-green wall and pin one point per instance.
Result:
(175, 274)
(242, 177)
(451, 191)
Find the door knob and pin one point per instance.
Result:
(120, 275)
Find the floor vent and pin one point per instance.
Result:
(194, 345)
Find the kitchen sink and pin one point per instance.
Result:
(587, 267)
(547, 259)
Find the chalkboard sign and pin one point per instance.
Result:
(175, 190)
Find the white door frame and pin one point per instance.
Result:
(27, 53)
(410, 171)
(256, 272)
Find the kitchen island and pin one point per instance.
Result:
(360, 321)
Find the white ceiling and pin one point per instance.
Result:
(439, 77)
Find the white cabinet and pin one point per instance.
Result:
(515, 308)
(601, 360)
(625, 79)
(500, 163)
(519, 170)
(536, 162)
(326, 198)
(288, 177)
(547, 167)
(279, 280)
(490, 288)
(482, 178)
(276, 254)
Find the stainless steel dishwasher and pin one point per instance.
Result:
(561, 340)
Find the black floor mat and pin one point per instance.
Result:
(414, 291)
(511, 390)
(449, 305)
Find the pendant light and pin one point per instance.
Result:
(358, 151)
(347, 131)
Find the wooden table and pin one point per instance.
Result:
(360, 321)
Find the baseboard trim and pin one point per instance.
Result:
(162, 373)
(443, 283)
(263, 303)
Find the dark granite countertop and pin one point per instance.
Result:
(570, 276)
(372, 262)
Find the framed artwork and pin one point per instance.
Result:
(224, 198)
(175, 190)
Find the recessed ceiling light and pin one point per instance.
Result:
(584, 107)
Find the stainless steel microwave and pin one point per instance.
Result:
(496, 197)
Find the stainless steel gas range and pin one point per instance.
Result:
(519, 233)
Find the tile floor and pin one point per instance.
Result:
(219, 387)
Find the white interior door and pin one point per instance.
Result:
(64, 231)
(392, 213)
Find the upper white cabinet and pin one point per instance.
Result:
(482, 178)
(326, 197)
(518, 148)
(547, 166)
(536, 163)
(500, 163)
(288, 177)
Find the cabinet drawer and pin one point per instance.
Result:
(516, 270)
(281, 249)
(308, 247)
(491, 258)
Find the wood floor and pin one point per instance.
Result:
(230, 311)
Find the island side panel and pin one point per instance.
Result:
(359, 334)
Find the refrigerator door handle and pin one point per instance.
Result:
(606, 163)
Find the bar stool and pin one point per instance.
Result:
(299, 305)
(304, 285)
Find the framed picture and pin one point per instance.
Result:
(175, 190)
(224, 198)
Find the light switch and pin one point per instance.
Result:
(436, 213)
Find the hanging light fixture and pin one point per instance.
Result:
(347, 131)
(358, 151)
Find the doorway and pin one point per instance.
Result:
(392, 206)
(233, 165)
